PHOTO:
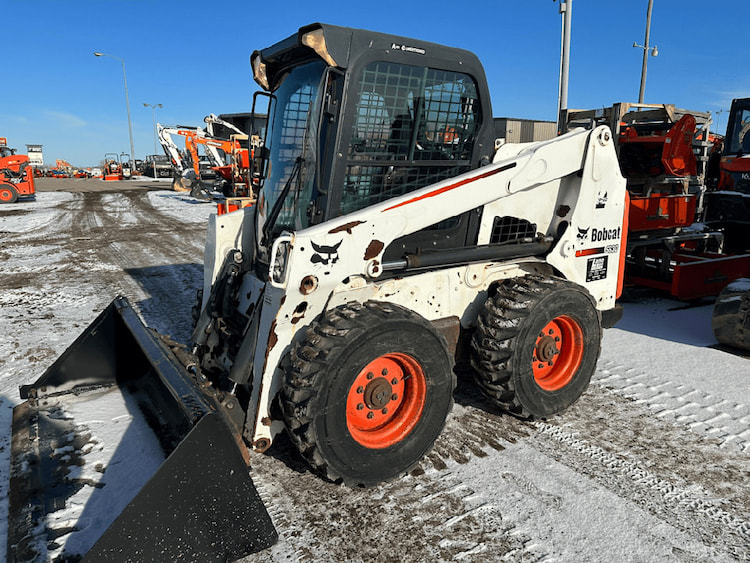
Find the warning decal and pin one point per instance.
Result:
(596, 268)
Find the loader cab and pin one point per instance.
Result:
(737, 141)
(6, 151)
(356, 118)
(734, 172)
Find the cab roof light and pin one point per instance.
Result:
(316, 40)
(259, 71)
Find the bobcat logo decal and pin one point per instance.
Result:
(325, 254)
(583, 233)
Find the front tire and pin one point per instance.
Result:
(367, 392)
(536, 345)
(8, 194)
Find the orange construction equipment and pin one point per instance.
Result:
(230, 159)
(16, 174)
(663, 154)
(728, 206)
(112, 167)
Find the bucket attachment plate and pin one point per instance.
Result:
(198, 504)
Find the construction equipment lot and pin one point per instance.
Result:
(651, 466)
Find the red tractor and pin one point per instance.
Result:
(16, 174)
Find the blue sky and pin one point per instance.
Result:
(193, 58)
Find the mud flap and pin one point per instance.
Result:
(200, 504)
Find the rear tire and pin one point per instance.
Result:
(536, 345)
(730, 320)
(8, 194)
(367, 392)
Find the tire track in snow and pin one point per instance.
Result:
(726, 421)
(682, 478)
(696, 498)
(430, 515)
(149, 256)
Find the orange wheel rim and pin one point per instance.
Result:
(557, 353)
(386, 400)
(5, 194)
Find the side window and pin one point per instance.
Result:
(413, 126)
(740, 138)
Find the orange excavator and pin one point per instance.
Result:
(16, 175)
(229, 158)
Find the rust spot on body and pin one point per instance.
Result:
(373, 249)
(346, 227)
(273, 338)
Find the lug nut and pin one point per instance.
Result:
(370, 375)
(360, 389)
(384, 411)
(360, 406)
(370, 414)
(384, 372)
(394, 381)
(394, 397)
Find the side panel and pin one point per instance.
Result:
(589, 250)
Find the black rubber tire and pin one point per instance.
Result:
(8, 193)
(504, 343)
(730, 320)
(319, 374)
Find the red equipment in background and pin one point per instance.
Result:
(112, 167)
(663, 154)
(16, 174)
(728, 206)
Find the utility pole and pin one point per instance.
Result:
(646, 48)
(127, 100)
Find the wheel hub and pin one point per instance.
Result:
(546, 349)
(378, 393)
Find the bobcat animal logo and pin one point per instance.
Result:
(325, 254)
(583, 233)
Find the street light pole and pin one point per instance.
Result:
(646, 49)
(127, 100)
(153, 114)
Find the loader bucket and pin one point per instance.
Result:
(120, 453)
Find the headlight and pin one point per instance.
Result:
(280, 255)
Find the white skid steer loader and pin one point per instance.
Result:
(393, 239)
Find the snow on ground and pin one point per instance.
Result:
(650, 465)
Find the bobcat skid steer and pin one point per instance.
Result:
(393, 238)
